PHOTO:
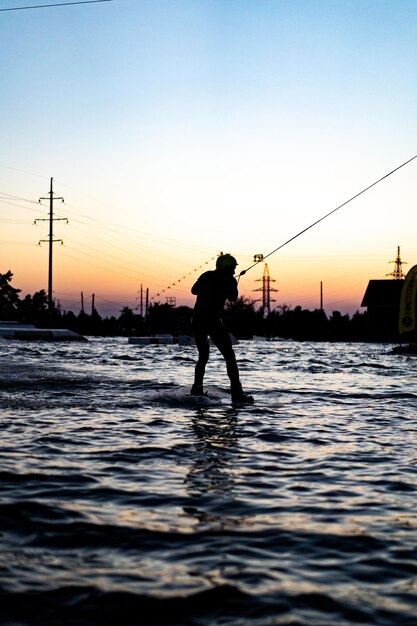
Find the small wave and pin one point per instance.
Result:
(18, 377)
(181, 396)
(226, 604)
(366, 365)
(79, 605)
(22, 516)
(133, 455)
(183, 359)
(126, 357)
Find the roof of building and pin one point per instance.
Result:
(383, 293)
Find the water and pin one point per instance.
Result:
(125, 501)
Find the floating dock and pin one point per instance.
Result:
(29, 332)
(162, 340)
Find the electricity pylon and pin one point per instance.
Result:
(398, 273)
(266, 290)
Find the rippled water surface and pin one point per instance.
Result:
(126, 501)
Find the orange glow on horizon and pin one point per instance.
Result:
(297, 280)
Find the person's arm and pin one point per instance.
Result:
(233, 292)
(200, 284)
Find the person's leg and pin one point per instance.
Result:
(201, 340)
(223, 343)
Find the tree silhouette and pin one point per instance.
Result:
(34, 308)
(240, 317)
(9, 298)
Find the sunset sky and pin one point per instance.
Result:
(176, 129)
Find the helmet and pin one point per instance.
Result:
(225, 260)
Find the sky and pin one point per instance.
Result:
(177, 129)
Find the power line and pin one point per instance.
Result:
(127, 231)
(9, 195)
(20, 206)
(16, 243)
(55, 4)
(120, 231)
(74, 258)
(129, 268)
(126, 272)
(11, 221)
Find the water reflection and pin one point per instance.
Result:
(211, 480)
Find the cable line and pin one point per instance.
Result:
(161, 291)
(9, 195)
(327, 215)
(55, 4)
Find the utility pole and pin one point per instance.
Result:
(321, 295)
(140, 307)
(51, 239)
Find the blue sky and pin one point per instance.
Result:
(200, 126)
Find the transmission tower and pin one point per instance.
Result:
(266, 290)
(51, 219)
(398, 273)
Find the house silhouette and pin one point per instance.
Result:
(382, 300)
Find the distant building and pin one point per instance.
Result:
(382, 299)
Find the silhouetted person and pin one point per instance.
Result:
(212, 289)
